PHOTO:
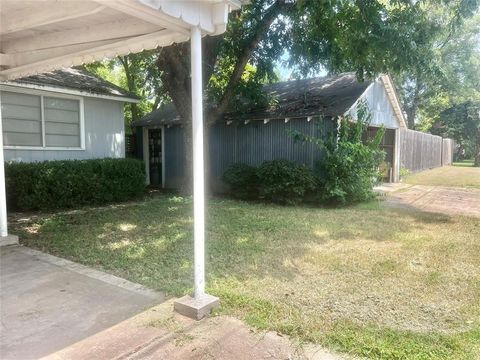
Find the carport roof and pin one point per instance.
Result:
(41, 36)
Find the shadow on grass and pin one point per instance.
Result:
(151, 242)
(255, 249)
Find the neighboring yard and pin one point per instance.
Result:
(461, 174)
(370, 280)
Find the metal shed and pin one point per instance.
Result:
(311, 106)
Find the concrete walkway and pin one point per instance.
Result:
(52, 308)
(438, 199)
(48, 303)
(159, 333)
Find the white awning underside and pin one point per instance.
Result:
(43, 35)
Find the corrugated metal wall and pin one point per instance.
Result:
(251, 143)
(174, 157)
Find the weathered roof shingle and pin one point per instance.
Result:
(329, 96)
(76, 79)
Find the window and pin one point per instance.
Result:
(62, 122)
(47, 122)
(22, 119)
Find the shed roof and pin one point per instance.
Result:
(329, 96)
(75, 79)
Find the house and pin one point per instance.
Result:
(63, 114)
(311, 106)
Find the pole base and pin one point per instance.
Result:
(196, 308)
(8, 240)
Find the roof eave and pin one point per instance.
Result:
(123, 98)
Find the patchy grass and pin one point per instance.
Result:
(384, 283)
(462, 174)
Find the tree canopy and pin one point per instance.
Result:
(462, 123)
(451, 76)
(413, 40)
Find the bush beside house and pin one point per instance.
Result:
(71, 183)
(346, 174)
(243, 181)
(284, 181)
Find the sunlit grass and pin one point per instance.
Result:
(379, 282)
(462, 174)
(467, 163)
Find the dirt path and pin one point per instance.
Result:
(439, 199)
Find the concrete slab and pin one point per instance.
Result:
(159, 333)
(196, 308)
(49, 303)
(387, 188)
(8, 240)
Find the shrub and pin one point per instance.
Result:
(73, 183)
(284, 182)
(350, 168)
(242, 180)
(349, 173)
(404, 172)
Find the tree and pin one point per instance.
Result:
(452, 73)
(462, 123)
(138, 74)
(368, 37)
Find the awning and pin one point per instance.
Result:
(42, 35)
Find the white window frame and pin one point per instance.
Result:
(43, 94)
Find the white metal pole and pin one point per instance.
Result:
(3, 196)
(198, 162)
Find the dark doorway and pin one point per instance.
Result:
(155, 156)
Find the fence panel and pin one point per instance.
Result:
(448, 149)
(420, 151)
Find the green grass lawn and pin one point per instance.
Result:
(464, 163)
(370, 280)
(461, 174)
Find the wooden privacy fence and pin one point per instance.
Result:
(420, 151)
(448, 150)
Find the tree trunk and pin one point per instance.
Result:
(174, 62)
(477, 150)
(412, 110)
(132, 86)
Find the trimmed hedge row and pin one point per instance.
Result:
(71, 183)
